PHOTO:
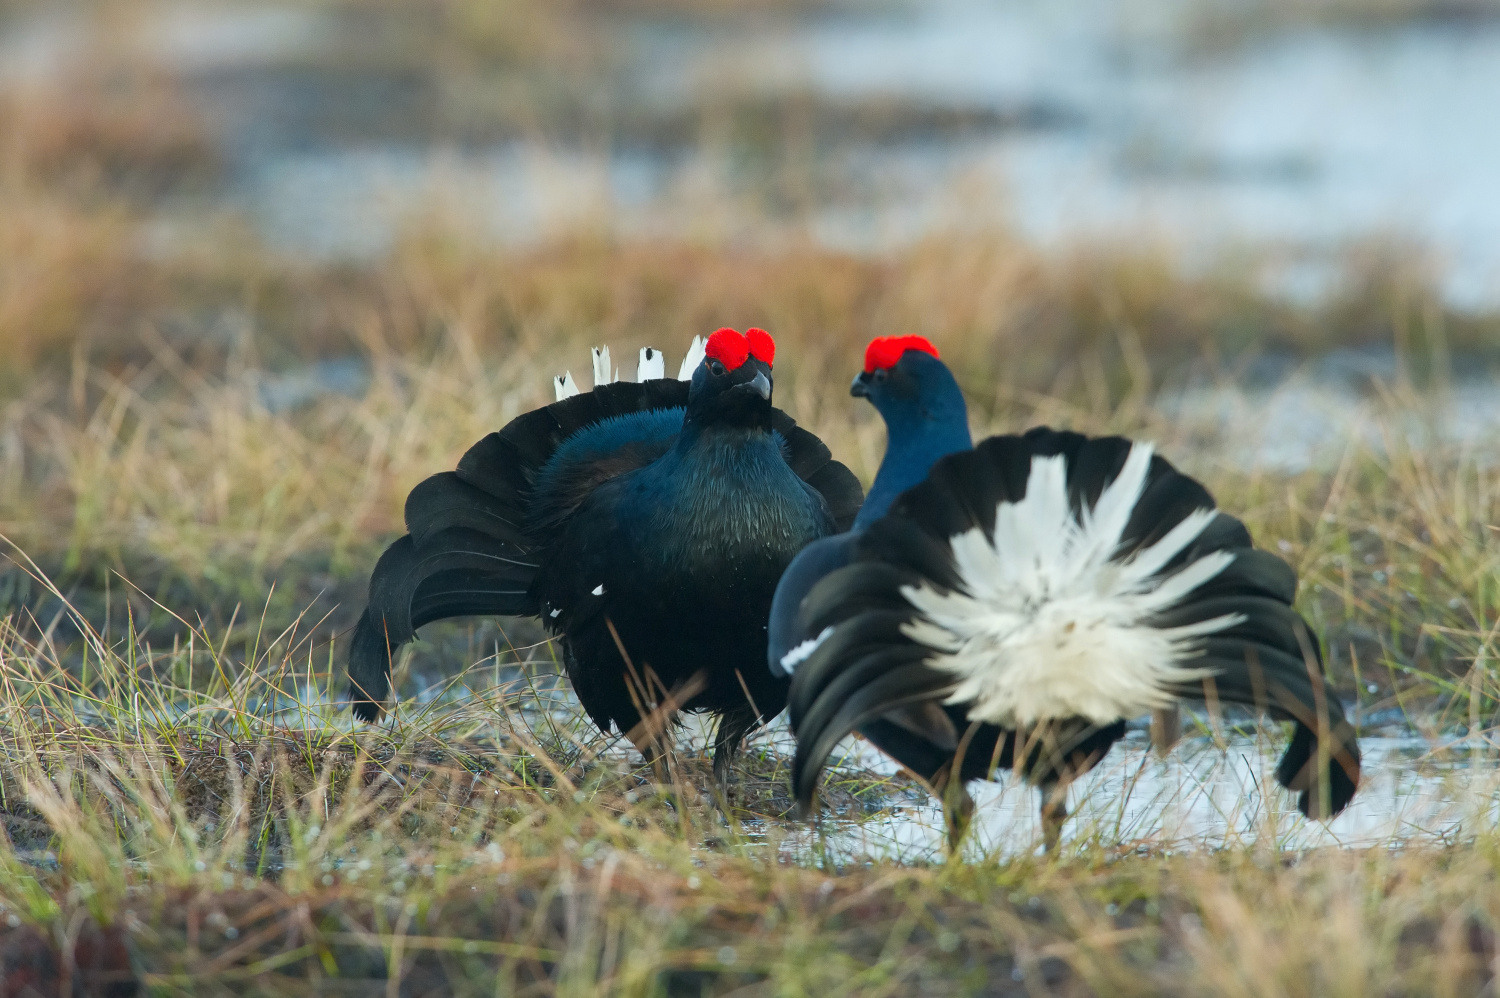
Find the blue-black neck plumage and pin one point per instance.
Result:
(732, 488)
(925, 418)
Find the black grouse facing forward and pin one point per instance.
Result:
(646, 524)
(1017, 607)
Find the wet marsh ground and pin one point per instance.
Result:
(206, 437)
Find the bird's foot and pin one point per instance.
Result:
(958, 807)
(1054, 813)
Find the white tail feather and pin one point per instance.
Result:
(694, 357)
(651, 366)
(1049, 625)
(804, 651)
(601, 366)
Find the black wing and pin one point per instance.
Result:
(475, 535)
(471, 547)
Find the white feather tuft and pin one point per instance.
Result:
(652, 365)
(1049, 626)
(695, 355)
(565, 386)
(601, 367)
(803, 651)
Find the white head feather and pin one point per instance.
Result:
(564, 385)
(1050, 626)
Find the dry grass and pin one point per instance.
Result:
(221, 838)
(491, 840)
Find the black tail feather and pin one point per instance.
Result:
(1267, 659)
(445, 501)
(369, 669)
(865, 669)
(841, 488)
(464, 556)
(892, 688)
(1288, 685)
(872, 585)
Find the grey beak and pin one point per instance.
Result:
(762, 384)
(861, 388)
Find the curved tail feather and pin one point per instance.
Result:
(1054, 582)
(454, 572)
(1322, 761)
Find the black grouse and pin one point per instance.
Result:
(645, 523)
(1014, 609)
(925, 419)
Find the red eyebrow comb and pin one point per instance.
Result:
(727, 347)
(762, 347)
(885, 351)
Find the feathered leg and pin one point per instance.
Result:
(650, 736)
(734, 725)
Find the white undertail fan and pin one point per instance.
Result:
(650, 366)
(1032, 595)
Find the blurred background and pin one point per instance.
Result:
(264, 266)
(1309, 152)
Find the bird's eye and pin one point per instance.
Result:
(879, 374)
(715, 368)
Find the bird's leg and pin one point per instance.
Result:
(652, 733)
(649, 744)
(734, 725)
(1054, 813)
(1166, 729)
(958, 806)
(958, 810)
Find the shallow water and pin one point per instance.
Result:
(1302, 145)
(1306, 140)
(1091, 119)
(1214, 789)
(1311, 420)
(1202, 795)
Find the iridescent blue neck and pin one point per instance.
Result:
(915, 441)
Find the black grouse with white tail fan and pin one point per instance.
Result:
(645, 523)
(1031, 595)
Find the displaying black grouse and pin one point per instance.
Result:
(925, 419)
(646, 524)
(1014, 609)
